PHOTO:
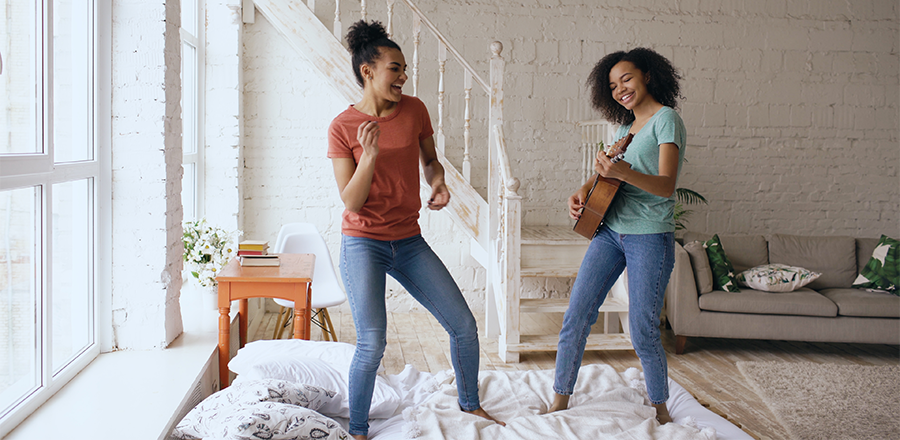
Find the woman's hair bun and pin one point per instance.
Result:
(362, 33)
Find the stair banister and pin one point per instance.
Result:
(462, 61)
(442, 60)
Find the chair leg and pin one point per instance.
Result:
(278, 323)
(282, 324)
(327, 321)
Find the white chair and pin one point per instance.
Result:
(293, 228)
(326, 289)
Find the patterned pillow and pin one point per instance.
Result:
(211, 417)
(722, 270)
(776, 277)
(882, 272)
(280, 421)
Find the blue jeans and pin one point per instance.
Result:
(650, 259)
(364, 264)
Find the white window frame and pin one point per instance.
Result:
(38, 170)
(196, 158)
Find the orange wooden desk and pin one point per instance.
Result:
(291, 281)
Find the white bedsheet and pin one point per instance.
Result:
(606, 404)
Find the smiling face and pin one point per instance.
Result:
(385, 79)
(628, 85)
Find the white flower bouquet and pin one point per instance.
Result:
(207, 249)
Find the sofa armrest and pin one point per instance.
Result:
(683, 306)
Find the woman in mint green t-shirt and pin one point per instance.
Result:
(638, 90)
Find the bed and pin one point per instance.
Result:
(295, 389)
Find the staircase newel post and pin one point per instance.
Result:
(507, 313)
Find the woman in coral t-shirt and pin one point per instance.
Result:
(375, 147)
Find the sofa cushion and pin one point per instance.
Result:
(744, 251)
(833, 257)
(882, 272)
(723, 274)
(776, 278)
(856, 302)
(803, 302)
(700, 265)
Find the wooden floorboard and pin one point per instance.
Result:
(707, 369)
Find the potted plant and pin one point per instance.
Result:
(207, 249)
(685, 197)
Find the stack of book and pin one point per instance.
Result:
(256, 253)
(253, 247)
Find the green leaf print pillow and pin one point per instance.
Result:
(882, 272)
(724, 277)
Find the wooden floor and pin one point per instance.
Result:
(707, 369)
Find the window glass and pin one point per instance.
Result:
(18, 78)
(18, 295)
(71, 85)
(71, 300)
(189, 97)
(189, 16)
(189, 192)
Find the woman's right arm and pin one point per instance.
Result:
(354, 180)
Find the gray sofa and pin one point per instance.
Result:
(826, 310)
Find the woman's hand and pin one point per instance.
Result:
(605, 167)
(576, 202)
(440, 197)
(367, 134)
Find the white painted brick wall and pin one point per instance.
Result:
(791, 109)
(146, 175)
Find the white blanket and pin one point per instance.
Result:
(606, 405)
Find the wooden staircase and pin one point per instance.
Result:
(499, 242)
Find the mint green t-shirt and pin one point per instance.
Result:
(635, 211)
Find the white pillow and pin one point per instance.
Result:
(337, 354)
(776, 277)
(208, 418)
(385, 399)
(268, 420)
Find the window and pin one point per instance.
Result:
(50, 186)
(192, 99)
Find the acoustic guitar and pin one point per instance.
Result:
(601, 194)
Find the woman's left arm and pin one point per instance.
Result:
(662, 185)
(434, 174)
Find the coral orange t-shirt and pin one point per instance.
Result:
(391, 212)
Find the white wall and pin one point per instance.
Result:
(791, 108)
(146, 174)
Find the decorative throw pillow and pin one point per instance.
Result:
(279, 421)
(261, 420)
(722, 270)
(776, 277)
(882, 272)
(208, 418)
(703, 276)
(385, 399)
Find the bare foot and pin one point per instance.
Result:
(360, 437)
(662, 413)
(480, 412)
(560, 402)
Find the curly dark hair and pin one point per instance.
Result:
(663, 82)
(364, 40)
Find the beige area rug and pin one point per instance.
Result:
(828, 401)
